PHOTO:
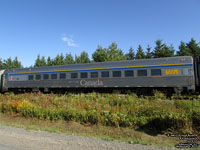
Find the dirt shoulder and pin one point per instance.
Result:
(15, 138)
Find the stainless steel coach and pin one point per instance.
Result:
(177, 73)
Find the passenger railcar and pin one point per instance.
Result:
(174, 73)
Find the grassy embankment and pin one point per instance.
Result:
(108, 116)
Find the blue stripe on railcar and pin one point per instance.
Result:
(103, 69)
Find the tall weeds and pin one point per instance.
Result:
(108, 109)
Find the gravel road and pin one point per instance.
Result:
(20, 139)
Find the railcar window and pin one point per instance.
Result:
(74, 75)
(156, 72)
(84, 75)
(104, 74)
(30, 77)
(62, 75)
(116, 73)
(38, 77)
(53, 76)
(94, 74)
(129, 73)
(142, 73)
(45, 76)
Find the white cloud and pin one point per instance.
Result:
(70, 42)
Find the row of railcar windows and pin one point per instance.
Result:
(104, 74)
(47, 76)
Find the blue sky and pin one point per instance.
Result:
(49, 27)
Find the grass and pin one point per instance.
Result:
(129, 135)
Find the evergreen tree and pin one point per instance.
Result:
(59, 60)
(8, 63)
(193, 48)
(100, 55)
(114, 53)
(43, 61)
(168, 51)
(77, 59)
(158, 49)
(140, 53)
(4, 65)
(56, 60)
(162, 50)
(130, 55)
(37, 61)
(148, 52)
(83, 58)
(1, 64)
(69, 59)
(40, 61)
(183, 50)
(189, 49)
(62, 59)
(49, 61)
(16, 63)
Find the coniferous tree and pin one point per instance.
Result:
(183, 50)
(43, 61)
(158, 49)
(59, 60)
(100, 55)
(77, 59)
(16, 63)
(148, 52)
(37, 61)
(83, 58)
(49, 61)
(1, 64)
(69, 59)
(130, 55)
(168, 51)
(62, 59)
(193, 48)
(189, 49)
(162, 50)
(8, 63)
(140, 53)
(4, 66)
(56, 60)
(114, 53)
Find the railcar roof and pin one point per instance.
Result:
(142, 61)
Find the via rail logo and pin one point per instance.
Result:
(98, 82)
(172, 72)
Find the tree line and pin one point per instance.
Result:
(112, 53)
(9, 63)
